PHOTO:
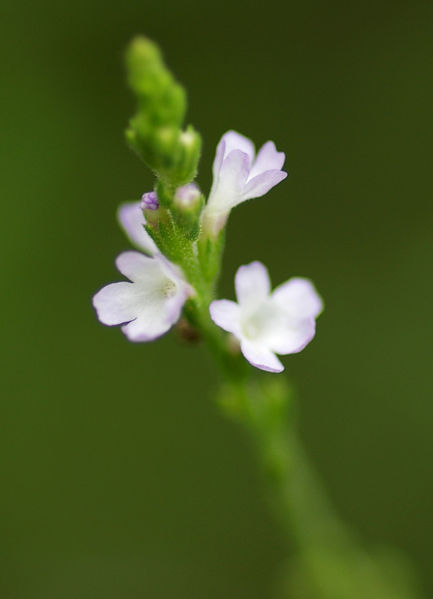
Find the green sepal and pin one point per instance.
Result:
(171, 241)
(160, 226)
(164, 194)
(188, 222)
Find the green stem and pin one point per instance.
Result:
(327, 561)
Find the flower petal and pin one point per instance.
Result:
(232, 176)
(139, 267)
(145, 329)
(226, 191)
(132, 221)
(252, 284)
(261, 184)
(116, 303)
(290, 335)
(236, 141)
(226, 314)
(268, 159)
(155, 318)
(261, 357)
(219, 158)
(299, 298)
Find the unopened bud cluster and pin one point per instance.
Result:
(155, 132)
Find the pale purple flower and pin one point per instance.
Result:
(239, 175)
(268, 323)
(151, 302)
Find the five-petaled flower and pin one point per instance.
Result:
(265, 323)
(151, 302)
(238, 176)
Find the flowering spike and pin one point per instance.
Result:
(173, 279)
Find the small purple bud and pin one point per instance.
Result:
(149, 201)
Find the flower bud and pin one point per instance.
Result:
(189, 155)
(159, 95)
(153, 213)
(187, 198)
(149, 201)
(188, 202)
(155, 131)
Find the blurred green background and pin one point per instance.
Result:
(119, 477)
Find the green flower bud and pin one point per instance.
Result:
(189, 155)
(158, 94)
(188, 203)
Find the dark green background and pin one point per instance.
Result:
(119, 478)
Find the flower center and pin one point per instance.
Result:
(168, 288)
(257, 323)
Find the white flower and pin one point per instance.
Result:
(148, 305)
(281, 322)
(239, 176)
